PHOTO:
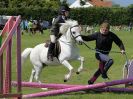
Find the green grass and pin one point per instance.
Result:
(55, 74)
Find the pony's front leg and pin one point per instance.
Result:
(70, 68)
(81, 59)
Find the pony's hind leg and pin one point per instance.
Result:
(37, 75)
(38, 70)
(67, 76)
(81, 64)
(32, 75)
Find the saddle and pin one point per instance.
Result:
(56, 50)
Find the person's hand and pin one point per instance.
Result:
(123, 52)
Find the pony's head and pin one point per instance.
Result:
(72, 30)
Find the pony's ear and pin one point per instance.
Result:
(64, 27)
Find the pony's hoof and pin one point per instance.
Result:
(77, 72)
(65, 80)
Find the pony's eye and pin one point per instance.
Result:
(73, 32)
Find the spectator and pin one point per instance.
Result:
(130, 26)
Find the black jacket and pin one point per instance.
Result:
(104, 42)
(56, 25)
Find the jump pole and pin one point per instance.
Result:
(63, 86)
(39, 85)
(79, 88)
(112, 89)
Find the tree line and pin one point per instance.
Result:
(47, 9)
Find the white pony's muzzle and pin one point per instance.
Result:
(79, 40)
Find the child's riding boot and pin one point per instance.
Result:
(50, 51)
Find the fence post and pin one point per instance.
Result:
(1, 69)
(12, 25)
(8, 60)
(0, 40)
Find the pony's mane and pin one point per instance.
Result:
(71, 22)
(68, 23)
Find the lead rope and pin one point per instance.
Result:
(99, 50)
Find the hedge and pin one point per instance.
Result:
(86, 16)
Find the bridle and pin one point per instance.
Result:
(74, 37)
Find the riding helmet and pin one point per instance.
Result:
(64, 8)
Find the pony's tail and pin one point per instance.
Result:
(25, 54)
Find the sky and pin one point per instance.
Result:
(123, 3)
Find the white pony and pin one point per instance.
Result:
(38, 55)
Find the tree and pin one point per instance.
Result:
(4, 3)
(116, 5)
(29, 3)
(130, 6)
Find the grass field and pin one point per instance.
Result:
(55, 74)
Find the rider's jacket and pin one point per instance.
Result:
(56, 25)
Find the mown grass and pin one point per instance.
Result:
(55, 74)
